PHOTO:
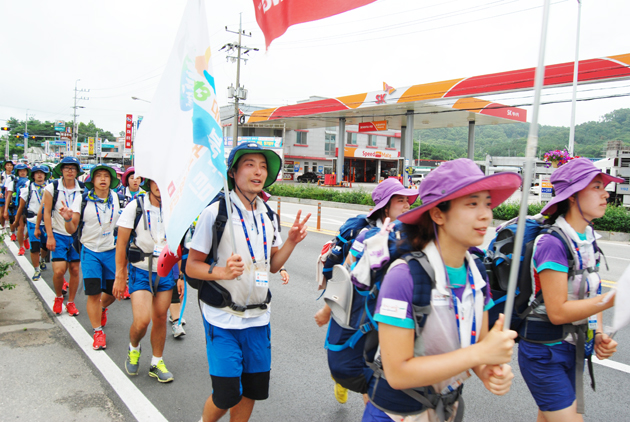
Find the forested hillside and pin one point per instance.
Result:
(510, 139)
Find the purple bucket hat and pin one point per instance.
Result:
(572, 178)
(458, 178)
(388, 188)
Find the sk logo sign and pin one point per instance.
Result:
(380, 99)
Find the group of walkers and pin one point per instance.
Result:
(424, 324)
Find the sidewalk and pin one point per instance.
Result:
(45, 376)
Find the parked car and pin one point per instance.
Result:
(310, 177)
(534, 189)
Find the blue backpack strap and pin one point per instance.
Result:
(423, 277)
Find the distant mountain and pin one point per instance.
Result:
(510, 140)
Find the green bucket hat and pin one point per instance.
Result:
(274, 162)
(114, 182)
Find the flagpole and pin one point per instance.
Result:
(228, 206)
(530, 152)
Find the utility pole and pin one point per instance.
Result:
(74, 124)
(238, 93)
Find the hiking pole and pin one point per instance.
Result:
(530, 152)
(228, 207)
(319, 216)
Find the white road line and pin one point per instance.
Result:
(613, 365)
(138, 403)
(614, 257)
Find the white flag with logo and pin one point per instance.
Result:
(180, 142)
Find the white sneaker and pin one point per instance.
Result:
(178, 330)
(171, 320)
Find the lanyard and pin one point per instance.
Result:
(69, 205)
(37, 191)
(473, 333)
(249, 245)
(111, 218)
(149, 222)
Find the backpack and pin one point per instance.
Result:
(55, 195)
(19, 183)
(349, 329)
(423, 283)
(76, 236)
(27, 212)
(534, 328)
(210, 292)
(341, 244)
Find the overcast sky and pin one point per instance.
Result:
(118, 49)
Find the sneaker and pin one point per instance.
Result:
(42, 265)
(171, 320)
(126, 295)
(178, 330)
(37, 275)
(27, 244)
(21, 252)
(72, 309)
(64, 287)
(13, 237)
(99, 340)
(104, 318)
(160, 372)
(131, 364)
(58, 305)
(341, 393)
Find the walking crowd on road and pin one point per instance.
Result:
(413, 307)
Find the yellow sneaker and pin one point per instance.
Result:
(341, 393)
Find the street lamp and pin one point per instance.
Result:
(140, 99)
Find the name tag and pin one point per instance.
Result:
(592, 322)
(157, 250)
(262, 279)
(393, 308)
(358, 246)
(438, 299)
(107, 233)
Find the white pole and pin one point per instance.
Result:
(575, 81)
(228, 207)
(530, 151)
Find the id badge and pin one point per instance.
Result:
(107, 233)
(157, 250)
(262, 278)
(592, 323)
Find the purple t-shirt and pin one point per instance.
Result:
(549, 254)
(397, 292)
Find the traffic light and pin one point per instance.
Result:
(18, 136)
(33, 137)
(61, 155)
(5, 128)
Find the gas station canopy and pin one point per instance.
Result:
(439, 104)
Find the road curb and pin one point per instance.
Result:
(330, 204)
(612, 236)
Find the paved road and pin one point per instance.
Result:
(301, 388)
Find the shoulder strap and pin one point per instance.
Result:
(55, 184)
(423, 283)
(217, 233)
(140, 214)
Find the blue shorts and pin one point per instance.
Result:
(31, 234)
(139, 280)
(549, 372)
(64, 250)
(234, 352)
(373, 414)
(98, 268)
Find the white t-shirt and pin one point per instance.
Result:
(37, 195)
(202, 242)
(147, 240)
(65, 196)
(98, 236)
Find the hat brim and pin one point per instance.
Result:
(500, 185)
(411, 197)
(274, 163)
(114, 181)
(31, 178)
(574, 188)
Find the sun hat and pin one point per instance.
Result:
(67, 160)
(571, 178)
(388, 188)
(274, 162)
(21, 166)
(458, 178)
(113, 183)
(43, 168)
(125, 177)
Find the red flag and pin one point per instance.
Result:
(275, 16)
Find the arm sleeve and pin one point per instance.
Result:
(76, 206)
(550, 254)
(24, 194)
(394, 304)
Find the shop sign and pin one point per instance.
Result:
(287, 176)
(296, 167)
(373, 126)
(369, 153)
(545, 188)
